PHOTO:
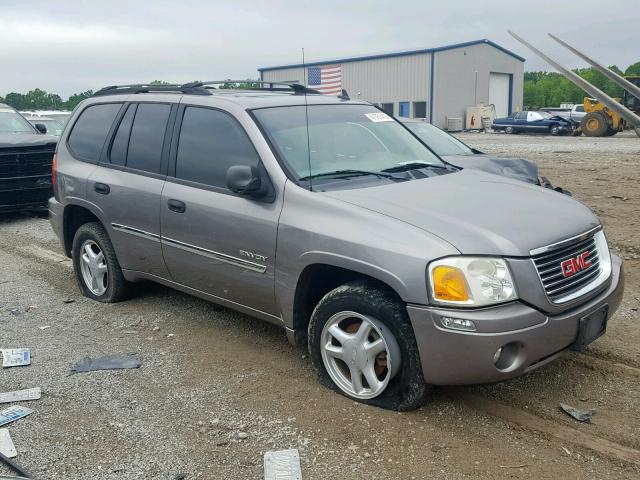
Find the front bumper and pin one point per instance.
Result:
(25, 192)
(453, 357)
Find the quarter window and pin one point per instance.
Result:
(147, 137)
(120, 145)
(91, 129)
(210, 142)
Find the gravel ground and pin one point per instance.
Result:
(217, 389)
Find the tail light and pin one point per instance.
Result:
(54, 171)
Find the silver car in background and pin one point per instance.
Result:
(329, 218)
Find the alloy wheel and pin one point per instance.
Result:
(93, 267)
(360, 354)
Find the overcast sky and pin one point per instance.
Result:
(69, 46)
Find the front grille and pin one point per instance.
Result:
(26, 161)
(549, 266)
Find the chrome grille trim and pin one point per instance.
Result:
(547, 261)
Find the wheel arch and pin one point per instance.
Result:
(319, 277)
(75, 215)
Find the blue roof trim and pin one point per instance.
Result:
(398, 54)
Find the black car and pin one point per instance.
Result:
(535, 122)
(26, 156)
(457, 153)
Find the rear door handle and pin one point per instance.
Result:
(176, 206)
(101, 188)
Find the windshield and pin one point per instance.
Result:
(439, 141)
(13, 122)
(342, 138)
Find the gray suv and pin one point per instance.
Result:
(331, 219)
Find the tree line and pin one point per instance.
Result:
(550, 89)
(541, 89)
(38, 99)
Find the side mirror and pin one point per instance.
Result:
(245, 180)
(41, 127)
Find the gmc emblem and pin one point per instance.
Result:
(574, 265)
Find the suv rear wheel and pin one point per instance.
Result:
(362, 345)
(97, 269)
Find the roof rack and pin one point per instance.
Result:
(280, 86)
(204, 88)
(147, 88)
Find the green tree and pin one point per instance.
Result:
(76, 98)
(633, 69)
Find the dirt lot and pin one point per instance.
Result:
(211, 375)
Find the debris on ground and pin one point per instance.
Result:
(14, 413)
(580, 415)
(21, 395)
(7, 448)
(108, 362)
(68, 300)
(282, 465)
(15, 357)
(13, 465)
(44, 327)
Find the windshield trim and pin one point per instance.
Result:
(279, 156)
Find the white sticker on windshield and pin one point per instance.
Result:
(378, 117)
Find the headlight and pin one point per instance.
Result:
(471, 281)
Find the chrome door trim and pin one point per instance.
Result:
(135, 231)
(222, 257)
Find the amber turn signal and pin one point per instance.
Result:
(449, 284)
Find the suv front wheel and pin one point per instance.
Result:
(97, 269)
(362, 345)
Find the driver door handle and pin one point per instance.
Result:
(176, 206)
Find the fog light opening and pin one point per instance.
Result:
(458, 324)
(508, 356)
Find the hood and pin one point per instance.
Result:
(478, 213)
(9, 140)
(517, 168)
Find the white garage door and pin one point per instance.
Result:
(499, 93)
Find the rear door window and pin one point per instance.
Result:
(210, 142)
(91, 129)
(147, 137)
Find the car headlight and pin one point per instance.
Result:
(471, 281)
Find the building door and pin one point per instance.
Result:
(404, 109)
(500, 93)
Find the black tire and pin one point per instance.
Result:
(509, 130)
(595, 124)
(406, 391)
(610, 132)
(554, 130)
(117, 286)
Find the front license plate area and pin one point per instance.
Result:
(591, 327)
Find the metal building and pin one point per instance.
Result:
(435, 83)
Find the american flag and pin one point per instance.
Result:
(327, 80)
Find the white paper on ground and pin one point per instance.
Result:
(282, 465)
(6, 444)
(21, 395)
(15, 357)
(14, 413)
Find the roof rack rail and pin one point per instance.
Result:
(273, 86)
(148, 88)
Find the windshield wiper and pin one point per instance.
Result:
(351, 173)
(403, 167)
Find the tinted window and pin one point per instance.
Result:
(147, 137)
(91, 130)
(210, 142)
(121, 141)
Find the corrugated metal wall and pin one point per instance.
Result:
(407, 78)
(384, 80)
(455, 86)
